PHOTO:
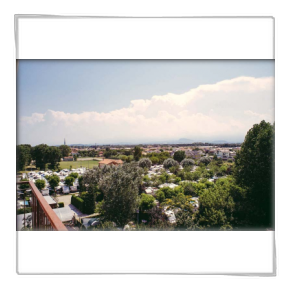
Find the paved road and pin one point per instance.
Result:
(65, 198)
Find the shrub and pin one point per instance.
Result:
(168, 163)
(74, 175)
(61, 204)
(174, 169)
(187, 163)
(167, 191)
(88, 202)
(204, 160)
(78, 202)
(179, 156)
(40, 184)
(145, 163)
(189, 190)
(146, 202)
(160, 196)
(69, 180)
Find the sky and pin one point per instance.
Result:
(133, 101)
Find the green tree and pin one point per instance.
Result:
(179, 156)
(254, 171)
(160, 195)
(168, 163)
(23, 156)
(120, 188)
(89, 201)
(174, 169)
(154, 160)
(145, 163)
(75, 157)
(53, 156)
(82, 187)
(167, 191)
(69, 180)
(65, 150)
(74, 175)
(38, 153)
(223, 169)
(196, 175)
(146, 202)
(189, 189)
(187, 163)
(54, 181)
(204, 160)
(40, 184)
(181, 201)
(137, 153)
(216, 207)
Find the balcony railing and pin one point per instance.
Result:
(43, 216)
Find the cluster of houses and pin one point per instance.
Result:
(221, 153)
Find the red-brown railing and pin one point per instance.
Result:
(43, 216)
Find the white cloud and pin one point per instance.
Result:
(34, 118)
(227, 110)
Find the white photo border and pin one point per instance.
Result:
(233, 253)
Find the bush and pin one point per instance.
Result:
(160, 196)
(174, 169)
(189, 190)
(78, 202)
(168, 163)
(74, 175)
(204, 160)
(147, 202)
(21, 211)
(145, 163)
(69, 180)
(187, 163)
(40, 184)
(88, 202)
(61, 204)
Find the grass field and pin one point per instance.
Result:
(78, 164)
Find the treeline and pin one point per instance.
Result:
(88, 153)
(42, 154)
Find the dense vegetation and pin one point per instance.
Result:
(209, 193)
(43, 155)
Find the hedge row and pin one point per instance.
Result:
(61, 204)
(78, 202)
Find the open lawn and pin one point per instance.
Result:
(79, 164)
